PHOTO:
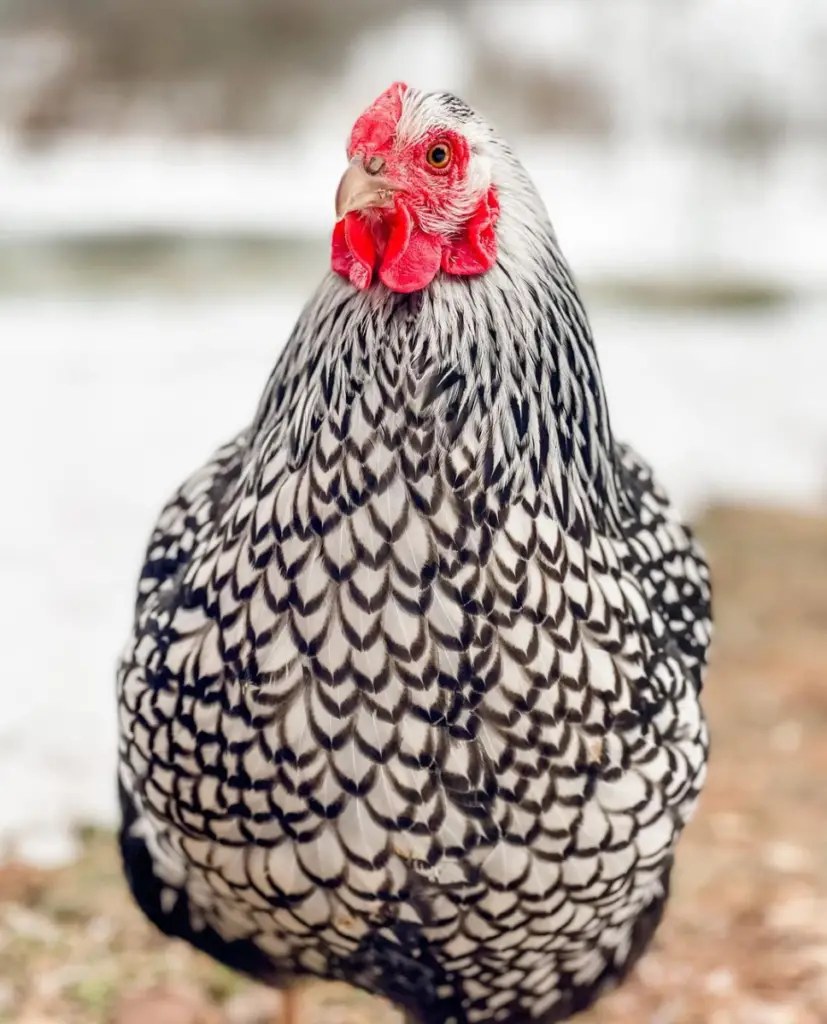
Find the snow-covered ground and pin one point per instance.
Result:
(106, 405)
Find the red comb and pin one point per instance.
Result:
(378, 123)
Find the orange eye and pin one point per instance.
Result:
(439, 156)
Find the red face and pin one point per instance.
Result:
(407, 207)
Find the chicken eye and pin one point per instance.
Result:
(439, 156)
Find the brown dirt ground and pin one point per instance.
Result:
(745, 937)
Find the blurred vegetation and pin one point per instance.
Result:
(258, 66)
(210, 64)
(238, 66)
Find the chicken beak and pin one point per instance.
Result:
(361, 190)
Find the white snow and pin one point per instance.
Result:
(106, 406)
(107, 186)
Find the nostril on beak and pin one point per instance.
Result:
(363, 187)
(375, 165)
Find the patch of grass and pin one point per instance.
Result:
(159, 261)
(693, 293)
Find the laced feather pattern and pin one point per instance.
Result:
(412, 695)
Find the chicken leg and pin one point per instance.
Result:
(289, 1006)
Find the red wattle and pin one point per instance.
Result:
(411, 259)
(475, 251)
(354, 250)
(362, 246)
(340, 259)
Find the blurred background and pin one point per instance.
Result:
(167, 173)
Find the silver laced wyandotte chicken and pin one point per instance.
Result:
(412, 695)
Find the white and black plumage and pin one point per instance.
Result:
(412, 695)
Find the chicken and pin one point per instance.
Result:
(412, 694)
